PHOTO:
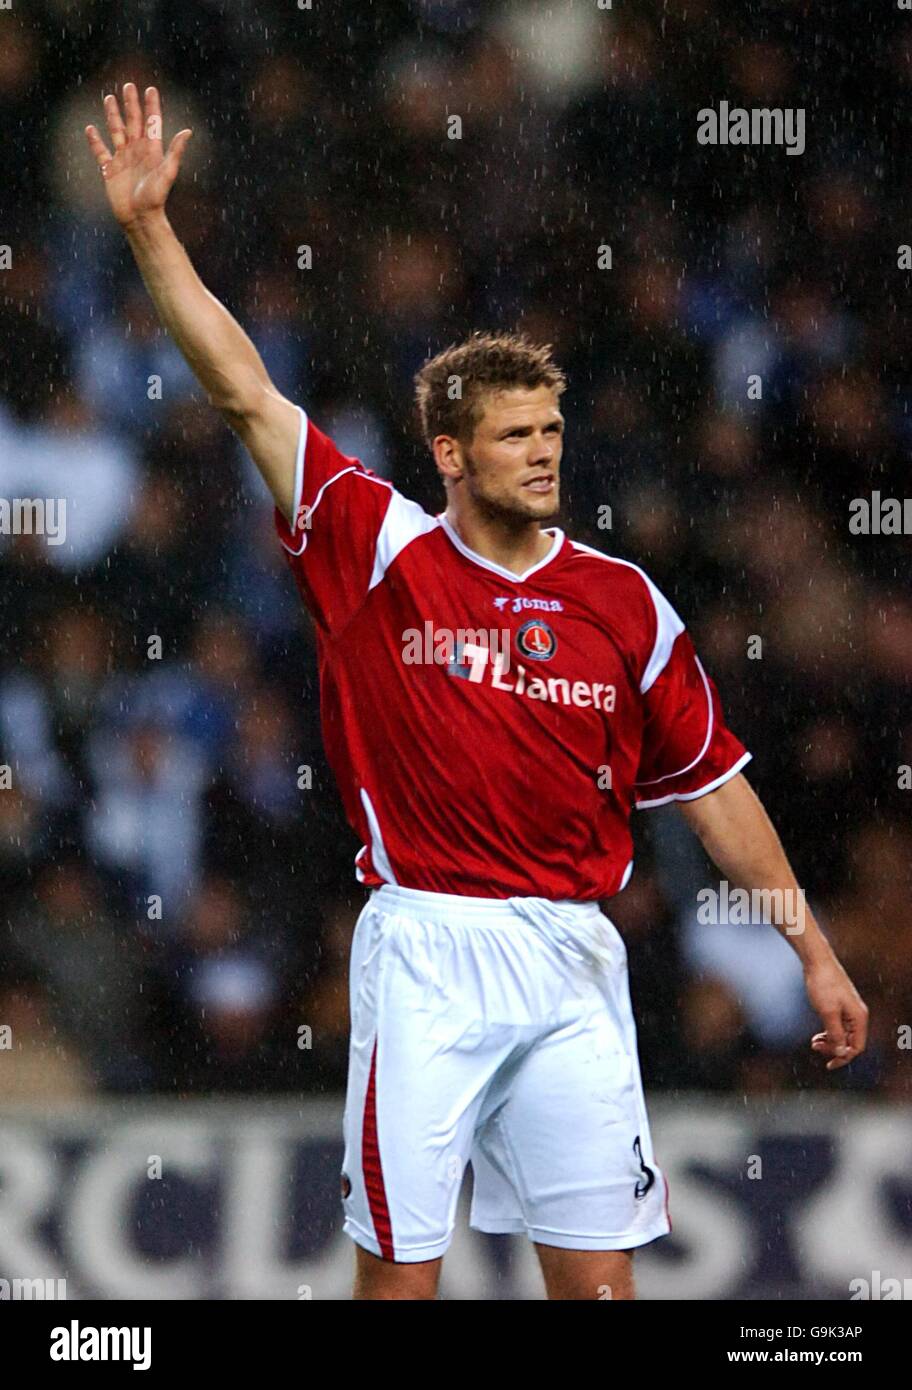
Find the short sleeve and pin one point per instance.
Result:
(339, 510)
(687, 749)
(349, 527)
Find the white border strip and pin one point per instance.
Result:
(709, 728)
(403, 523)
(669, 624)
(477, 559)
(353, 468)
(298, 483)
(378, 854)
(693, 796)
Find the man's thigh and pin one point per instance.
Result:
(586, 1274)
(565, 1152)
(381, 1279)
(568, 1274)
(421, 1057)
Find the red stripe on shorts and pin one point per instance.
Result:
(372, 1168)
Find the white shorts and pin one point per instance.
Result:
(496, 1032)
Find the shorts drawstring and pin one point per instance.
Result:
(580, 934)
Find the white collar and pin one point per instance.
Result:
(499, 569)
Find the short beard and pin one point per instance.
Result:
(510, 515)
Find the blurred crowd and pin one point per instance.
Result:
(177, 879)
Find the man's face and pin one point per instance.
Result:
(512, 466)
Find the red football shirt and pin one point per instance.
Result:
(490, 732)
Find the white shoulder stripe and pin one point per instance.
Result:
(299, 461)
(299, 487)
(378, 853)
(668, 624)
(404, 521)
(668, 629)
(298, 481)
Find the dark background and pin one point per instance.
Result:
(177, 778)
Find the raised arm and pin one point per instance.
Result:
(138, 177)
(740, 839)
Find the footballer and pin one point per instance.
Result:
(491, 785)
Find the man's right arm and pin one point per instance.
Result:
(138, 177)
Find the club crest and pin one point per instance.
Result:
(536, 640)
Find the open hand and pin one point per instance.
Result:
(138, 175)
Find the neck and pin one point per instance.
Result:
(514, 545)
